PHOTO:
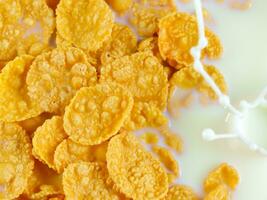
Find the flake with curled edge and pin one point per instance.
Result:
(142, 74)
(181, 192)
(178, 33)
(48, 192)
(86, 24)
(189, 78)
(85, 180)
(135, 171)
(123, 42)
(21, 20)
(221, 192)
(167, 159)
(15, 104)
(55, 77)
(145, 115)
(47, 138)
(16, 162)
(68, 152)
(223, 175)
(97, 113)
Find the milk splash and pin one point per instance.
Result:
(224, 100)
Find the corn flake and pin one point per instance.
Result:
(16, 162)
(15, 104)
(189, 78)
(120, 6)
(47, 138)
(86, 24)
(134, 170)
(97, 113)
(219, 193)
(123, 42)
(150, 138)
(178, 33)
(85, 180)
(54, 78)
(181, 192)
(223, 175)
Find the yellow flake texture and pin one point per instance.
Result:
(55, 77)
(97, 113)
(167, 159)
(223, 175)
(24, 25)
(123, 42)
(178, 33)
(85, 180)
(150, 138)
(47, 138)
(16, 162)
(219, 193)
(68, 152)
(15, 104)
(120, 6)
(189, 78)
(135, 171)
(84, 23)
(181, 192)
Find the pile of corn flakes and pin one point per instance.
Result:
(75, 85)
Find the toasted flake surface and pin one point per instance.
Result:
(181, 192)
(178, 33)
(219, 193)
(134, 170)
(47, 138)
(15, 104)
(16, 162)
(85, 180)
(86, 23)
(55, 77)
(97, 113)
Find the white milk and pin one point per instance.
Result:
(244, 64)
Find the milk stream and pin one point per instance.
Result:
(224, 100)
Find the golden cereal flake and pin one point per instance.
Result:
(47, 138)
(134, 170)
(15, 104)
(123, 42)
(55, 77)
(68, 152)
(120, 6)
(181, 192)
(47, 192)
(97, 113)
(167, 159)
(23, 25)
(146, 18)
(223, 175)
(171, 139)
(142, 74)
(189, 78)
(85, 23)
(85, 180)
(16, 162)
(145, 115)
(150, 138)
(52, 3)
(219, 193)
(178, 33)
(30, 125)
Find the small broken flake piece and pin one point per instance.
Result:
(222, 175)
(85, 23)
(97, 113)
(189, 78)
(47, 138)
(15, 104)
(120, 6)
(178, 33)
(16, 162)
(85, 180)
(181, 192)
(150, 138)
(55, 77)
(123, 42)
(134, 170)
